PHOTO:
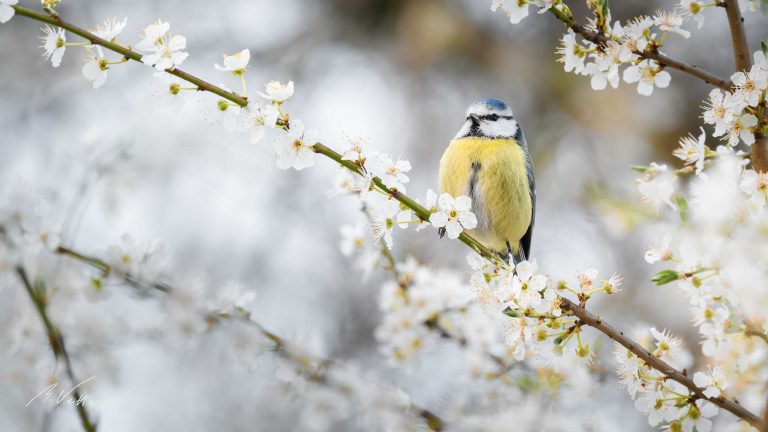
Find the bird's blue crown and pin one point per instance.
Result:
(489, 106)
(494, 104)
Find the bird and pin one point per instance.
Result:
(488, 161)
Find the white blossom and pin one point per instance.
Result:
(383, 215)
(756, 186)
(634, 34)
(430, 203)
(355, 153)
(712, 381)
(571, 54)
(168, 90)
(658, 186)
(647, 74)
(278, 92)
(692, 8)
(390, 171)
(693, 151)
(698, 417)
(6, 11)
(454, 215)
(236, 63)
(352, 238)
(659, 251)
(258, 118)
(670, 22)
(54, 43)
(95, 67)
(751, 85)
(721, 109)
(293, 149)
(110, 28)
(670, 348)
(221, 112)
(164, 51)
(515, 10)
(742, 128)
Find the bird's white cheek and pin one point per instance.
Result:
(499, 128)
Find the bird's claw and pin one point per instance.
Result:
(441, 232)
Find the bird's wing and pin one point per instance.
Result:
(525, 242)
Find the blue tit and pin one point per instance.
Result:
(488, 161)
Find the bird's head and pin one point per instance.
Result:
(489, 118)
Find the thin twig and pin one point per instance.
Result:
(281, 346)
(56, 340)
(660, 365)
(663, 59)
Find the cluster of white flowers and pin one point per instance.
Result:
(733, 113)
(667, 403)
(624, 44)
(454, 214)
(165, 52)
(717, 260)
(533, 302)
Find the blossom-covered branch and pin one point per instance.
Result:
(241, 101)
(652, 53)
(660, 365)
(317, 370)
(37, 293)
(127, 52)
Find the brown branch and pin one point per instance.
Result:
(653, 54)
(660, 365)
(738, 36)
(56, 340)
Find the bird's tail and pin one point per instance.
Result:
(515, 258)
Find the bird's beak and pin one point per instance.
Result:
(474, 118)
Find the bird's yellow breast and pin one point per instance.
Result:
(493, 173)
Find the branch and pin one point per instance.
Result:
(752, 330)
(422, 212)
(662, 59)
(660, 365)
(127, 52)
(283, 348)
(738, 36)
(56, 340)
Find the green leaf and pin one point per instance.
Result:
(604, 7)
(512, 313)
(764, 47)
(665, 276)
(639, 168)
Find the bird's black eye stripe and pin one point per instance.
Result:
(493, 117)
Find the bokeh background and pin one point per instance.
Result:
(398, 73)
